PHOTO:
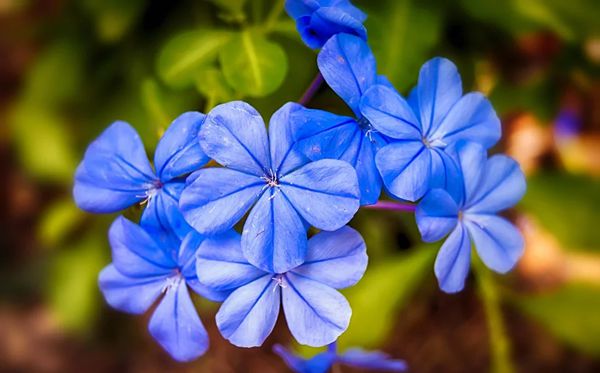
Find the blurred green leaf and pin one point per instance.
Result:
(211, 84)
(252, 65)
(72, 287)
(570, 313)
(232, 10)
(567, 206)
(538, 96)
(187, 54)
(114, 17)
(381, 294)
(402, 34)
(58, 221)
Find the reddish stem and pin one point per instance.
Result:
(311, 90)
(392, 206)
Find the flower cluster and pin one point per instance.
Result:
(310, 168)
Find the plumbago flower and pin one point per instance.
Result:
(147, 263)
(115, 172)
(354, 357)
(318, 20)
(288, 192)
(470, 214)
(348, 66)
(435, 116)
(316, 313)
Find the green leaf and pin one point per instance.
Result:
(567, 206)
(184, 56)
(58, 221)
(252, 65)
(381, 294)
(211, 84)
(231, 10)
(402, 33)
(569, 313)
(114, 17)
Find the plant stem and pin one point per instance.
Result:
(392, 206)
(311, 90)
(274, 14)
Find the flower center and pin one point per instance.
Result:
(172, 281)
(151, 191)
(367, 128)
(271, 179)
(279, 281)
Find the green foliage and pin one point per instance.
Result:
(58, 221)
(570, 313)
(567, 206)
(253, 65)
(113, 18)
(211, 84)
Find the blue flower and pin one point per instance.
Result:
(348, 66)
(318, 20)
(316, 313)
(435, 116)
(115, 172)
(147, 263)
(355, 357)
(470, 214)
(288, 192)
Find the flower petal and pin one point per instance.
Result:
(446, 174)
(324, 192)
(221, 265)
(390, 114)
(285, 155)
(348, 66)
(175, 325)
(234, 135)
(436, 215)
(439, 88)
(274, 236)
(129, 294)
(374, 360)
(337, 259)
(320, 363)
(405, 167)
(248, 315)
(115, 172)
(162, 211)
(316, 314)
(472, 118)
(453, 261)
(136, 253)
(215, 199)
(471, 159)
(498, 242)
(178, 151)
(361, 155)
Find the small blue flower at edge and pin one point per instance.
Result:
(147, 263)
(283, 190)
(349, 68)
(316, 313)
(115, 172)
(490, 186)
(435, 116)
(354, 357)
(318, 20)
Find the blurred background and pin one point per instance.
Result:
(70, 68)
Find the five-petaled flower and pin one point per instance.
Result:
(287, 190)
(354, 357)
(115, 172)
(469, 213)
(316, 313)
(318, 20)
(148, 262)
(435, 116)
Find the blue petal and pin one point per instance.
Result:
(346, 6)
(348, 66)
(471, 158)
(215, 199)
(374, 360)
(324, 192)
(248, 315)
(316, 314)
(285, 155)
(498, 243)
(405, 167)
(299, 8)
(446, 174)
(136, 253)
(274, 236)
(337, 259)
(162, 210)
(472, 118)
(436, 215)
(453, 261)
(390, 114)
(320, 363)
(175, 325)
(178, 151)
(439, 88)
(234, 135)
(128, 294)
(361, 155)
(328, 21)
(221, 265)
(502, 185)
(115, 172)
